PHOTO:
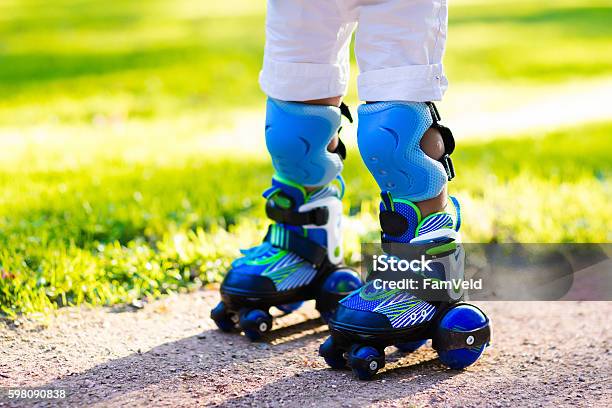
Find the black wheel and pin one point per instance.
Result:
(366, 361)
(223, 318)
(255, 323)
(334, 357)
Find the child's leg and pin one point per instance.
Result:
(305, 73)
(399, 47)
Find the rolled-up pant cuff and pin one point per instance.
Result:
(415, 83)
(289, 81)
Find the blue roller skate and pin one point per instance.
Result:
(300, 259)
(372, 318)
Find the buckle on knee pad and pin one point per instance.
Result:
(340, 150)
(447, 138)
(448, 166)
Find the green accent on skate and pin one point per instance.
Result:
(381, 294)
(413, 205)
(271, 193)
(450, 246)
(279, 236)
(267, 260)
(292, 184)
(340, 181)
(306, 194)
(391, 201)
(457, 214)
(395, 310)
(281, 274)
(281, 201)
(418, 228)
(337, 251)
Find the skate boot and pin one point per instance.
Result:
(300, 259)
(372, 318)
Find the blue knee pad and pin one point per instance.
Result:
(389, 138)
(297, 136)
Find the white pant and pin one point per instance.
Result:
(399, 46)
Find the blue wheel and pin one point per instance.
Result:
(366, 361)
(342, 281)
(338, 284)
(460, 322)
(410, 346)
(290, 307)
(222, 318)
(332, 355)
(255, 323)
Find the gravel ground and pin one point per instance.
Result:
(169, 354)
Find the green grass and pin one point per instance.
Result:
(115, 230)
(74, 59)
(113, 188)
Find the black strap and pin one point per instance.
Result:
(410, 251)
(316, 216)
(292, 241)
(448, 166)
(447, 138)
(344, 110)
(340, 149)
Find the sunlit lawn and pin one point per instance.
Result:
(109, 192)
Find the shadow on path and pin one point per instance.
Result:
(198, 358)
(329, 387)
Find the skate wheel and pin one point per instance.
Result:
(290, 307)
(366, 361)
(342, 281)
(337, 285)
(463, 319)
(222, 317)
(333, 356)
(255, 323)
(410, 346)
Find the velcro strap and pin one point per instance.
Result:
(410, 251)
(292, 241)
(316, 216)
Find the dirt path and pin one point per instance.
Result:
(553, 353)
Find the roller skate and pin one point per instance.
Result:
(300, 259)
(373, 318)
